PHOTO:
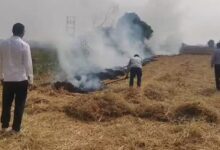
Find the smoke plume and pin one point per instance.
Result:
(165, 17)
(97, 41)
(102, 48)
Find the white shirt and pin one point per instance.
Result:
(135, 62)
(15, 60)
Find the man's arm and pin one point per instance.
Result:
(142, 61)
(28, 65)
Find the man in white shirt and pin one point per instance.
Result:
(135, 67)
(215, 62)
(16, 72)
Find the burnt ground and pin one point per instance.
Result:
(115, 74)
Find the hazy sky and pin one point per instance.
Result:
(201, 20)
(198, 20)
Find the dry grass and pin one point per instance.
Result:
(195, 111)
(98, 108)
(177, 109)
(110, 106)
(156, 112)
(159, 92)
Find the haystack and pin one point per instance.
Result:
(98, 108)
(194, 111)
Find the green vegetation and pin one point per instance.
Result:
(44, 61)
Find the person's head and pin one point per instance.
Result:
(218, 45)
(136, 55)
(18, 29)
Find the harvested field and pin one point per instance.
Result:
(176, 109)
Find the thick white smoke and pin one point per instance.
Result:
(89, 51)
(96, 50)
(45, 20)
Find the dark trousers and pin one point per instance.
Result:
(133, 73)
(11, 91)
(217, 76)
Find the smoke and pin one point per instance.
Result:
(97, 42)
(166, 19)
(96, 51)
(45, 20)
(102, 48)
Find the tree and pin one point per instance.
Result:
(134, 26)
(211, 44)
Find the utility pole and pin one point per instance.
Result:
(71, 25)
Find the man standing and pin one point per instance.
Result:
(16, 73)
(135, 67)
(215, 62)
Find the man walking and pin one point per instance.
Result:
(16, 73)
(215, 62)
(135, 67)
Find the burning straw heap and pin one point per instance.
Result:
(111, 74)
(82, 88)
(84, 65)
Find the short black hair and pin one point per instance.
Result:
(218, 45)
(136, 55)
(18, 29)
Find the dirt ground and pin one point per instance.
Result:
(176, 109)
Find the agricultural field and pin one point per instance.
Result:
(45, 61)
(177, 108)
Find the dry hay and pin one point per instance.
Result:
(207, 92)
(194, 111)
(98, 108)
(110, 105)
(133, 96)
(175, 77)
(156, 112)
(189, 134)
(167, 78)
(37, 105)
(24, 141)
(158, 92)
(155, 93)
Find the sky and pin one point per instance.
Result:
(199, 19)
(193, 21)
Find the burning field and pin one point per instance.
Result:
(177, 108)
